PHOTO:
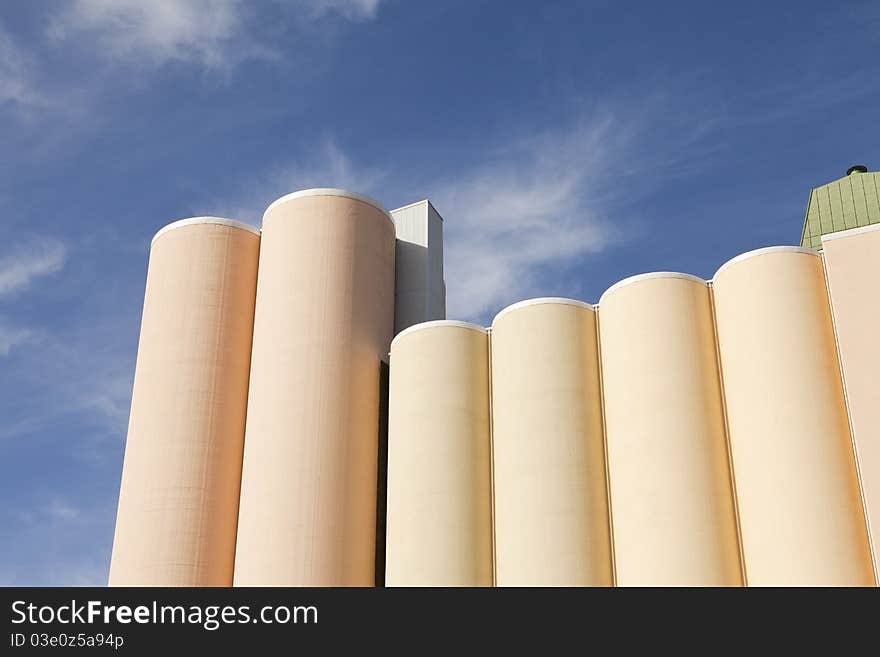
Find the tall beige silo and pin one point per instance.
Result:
(322, 328)
(800, 511)
(178, 502)
(551, 503)
(672, 506)
(439, 523)
(852, 260)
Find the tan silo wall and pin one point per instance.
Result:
(551, 503)
(439, 523)
(323, 324)
(178, 502)
(852, 261)
(800, 511)
(672, 505)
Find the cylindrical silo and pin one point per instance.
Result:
(801, 516)
(551, 503)
(439, 523)
(178, 502)
(852, 263)
(672, 506)
(323, 324)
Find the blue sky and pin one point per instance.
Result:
(567, 145)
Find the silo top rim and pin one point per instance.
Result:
(437, 323)
(329, 191)
(765, 251)
(648, 276)
(194, 221)
(565, 301)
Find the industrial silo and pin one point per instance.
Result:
(800, 511)
(439, 523)
(672, 507)
(178, 502)
(551, 503)
(323, 324)
(852, 262)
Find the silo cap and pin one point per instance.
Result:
(857, 168)
(330, 191)
(195, 221)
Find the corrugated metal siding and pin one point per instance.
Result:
(411, 223)
(436, 291)
(419, 293)
(849, 202)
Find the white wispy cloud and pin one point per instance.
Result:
(105, 394)
(206, 32)
(538, 204)
(214, 34)
(61, 510)
(55, 541)
(327, 165)
(11, 337)
(17, 84)
(29, 261)
(351, 9)
(82, 367)
(521, 214)
(82, 375)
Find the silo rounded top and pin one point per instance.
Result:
(194, 221)
(650, 275)
(765, 251)
(327, 191)
(562, 301)
(439, 323)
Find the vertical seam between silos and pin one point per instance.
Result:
(605, 456)
(491, 458)
(852, 433)
(247, 401)
(731, 470)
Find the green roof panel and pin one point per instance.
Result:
(849, 202)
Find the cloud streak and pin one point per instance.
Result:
(328, 165)
(73, 375)
(213, 34)
(11, 337)
(522, 215)
(350, 9)
(204, 32)
(535, 206)
(81, 368)
(518, 216)
(20, 267)
(59, 549)
(17, 87)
